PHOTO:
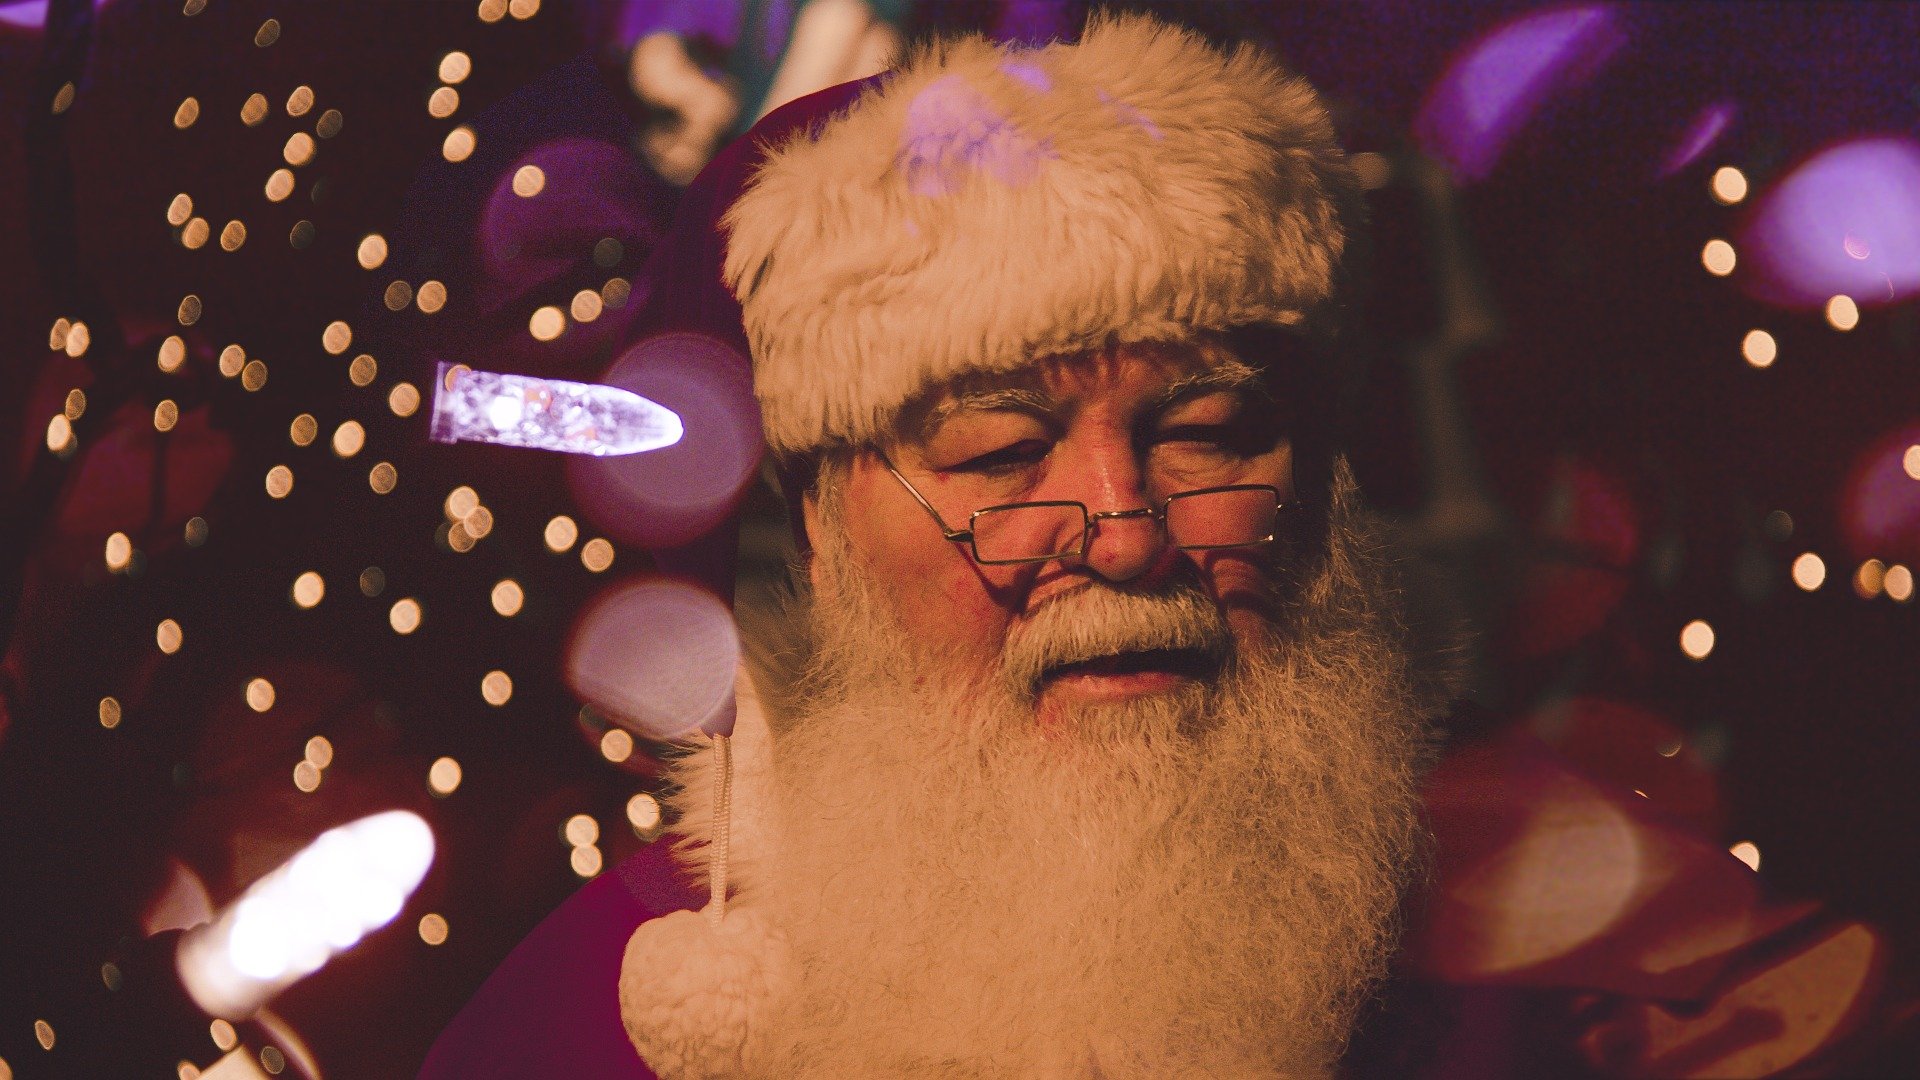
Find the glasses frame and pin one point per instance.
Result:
(1089, 517)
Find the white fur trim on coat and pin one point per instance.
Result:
(990, 204)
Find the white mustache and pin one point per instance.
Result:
(1098, 621)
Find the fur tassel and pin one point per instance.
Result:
(988, 204)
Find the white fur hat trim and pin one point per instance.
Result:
(990, 204)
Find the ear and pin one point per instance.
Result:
(810, 520)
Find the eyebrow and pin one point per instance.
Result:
(1226, 375)
(1016, 398)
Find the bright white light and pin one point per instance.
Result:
(1747, 852)
(347, 883)
(547, 414)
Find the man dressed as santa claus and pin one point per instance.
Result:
(1103, 761)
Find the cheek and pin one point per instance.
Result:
(1242, 586)
(931, 587)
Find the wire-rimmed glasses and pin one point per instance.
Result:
(1205, 519)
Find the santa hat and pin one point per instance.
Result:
(986, 204)
(980, 207)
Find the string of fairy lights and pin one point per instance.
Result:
(467, 520)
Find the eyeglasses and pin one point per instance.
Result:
(1206, 519)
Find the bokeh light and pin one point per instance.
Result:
(1843, 313)
(657, 655)
(507, 597)
(443, 102)
(372, 252)
(455, 67)
(336, 337)
(279, 185)
(581, 829)
(1729, 185)
(596, 555)
(173, 353)
(319, 751)
(382, 478)
(187, 113)
(616, 745)
(260, 695)
(496, 687)
(1696, 639)
(1759, 348)
(1869, 579)
(547, 323)
(373, 582)
(300, 101)
(279, 482)
(306, 776)
(459, 144)
(643, 813)
(403, 399)
(528, 181)
(492, 11)
(253, 376)
(561, 532)
(1845, 222)
(1809, 571)
(363, 370)
(460, 502)
(233, 360)
(254, 109)
(348, 438)
(431, 296)
(119, 551)
(433, 929)
(299, 149)
(168, 636)
(1718, 257)
(586, 306)
(194, 236)
(178, 211)
(165, 415)
(404, 616)
(309, 589)
(1899, 583)
(443, 776)
(1747, 852)
(586, 860)
(109, 712)
(303, 430)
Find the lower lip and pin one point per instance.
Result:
(1090, 687)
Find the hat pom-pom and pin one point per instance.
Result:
(691, 986)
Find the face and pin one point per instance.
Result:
(1118, 430)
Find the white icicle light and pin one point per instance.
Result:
(547, 414)
(346, 884)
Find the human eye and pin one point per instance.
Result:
(1008, 459)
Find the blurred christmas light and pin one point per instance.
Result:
(76, 404)
(329, 124)
(643, 813)
(403, 399)
(1696, 639)
(561, 532)
(404, 616)
(180, 209)
(299, 149)
(196, 531)
(363, 369)
(479, 523)
(458, 145)
(320, 751)
(586, 860)
(615, 292)
(259, 695)
(596, 555)
(581, 829)
(1869, 579)
(254, 110)
(1898, 583)
(373, 581)
(233, 236)
(1729, 185)
(1759, 348)
(279, 185)
(528, 181)
(398, 296)
(232, 359)
(548, 414)
(443, 102)
(382, 478)
(443, 777)
(166, 415)
(336, 337)
(350, 881)
(455, 67)
(119, 551)
(309, 589)
(372, 251)
(194, 236)
(460, 502)
(658, 656)
(1747, 852)
(507, 597)
(616, 745)
(1718, 257)
(254, 375)
(301, 235)
(1845, 221)
(523, 9)
(547, 323)
(268, 33)
(223, 1035)
(57, 336)
(78, 338)
(1843, 313)
(586, 306)
(59, 433)
(1809, 570)
(431, 297)
(497, 687)
(433, 929)
(186, 114)
(306, 776)
(173, 353)
(348, 438)
(168, 636)
(303, 429)
(300, 101)
(279, 482)
(43, 1034)
(109, 712)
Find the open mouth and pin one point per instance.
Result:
(1180, 663)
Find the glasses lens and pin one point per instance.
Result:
(1223, 517)
(1033, 531)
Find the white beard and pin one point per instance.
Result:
(1199, 884)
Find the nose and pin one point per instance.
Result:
(1125, 542)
